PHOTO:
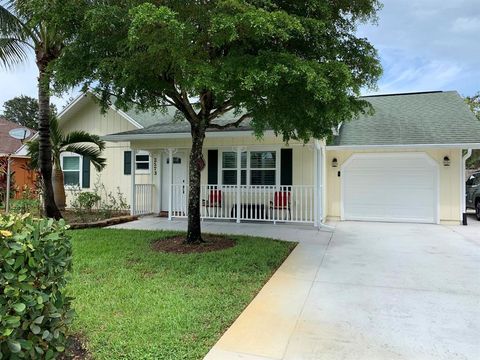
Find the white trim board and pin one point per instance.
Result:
(404, 146)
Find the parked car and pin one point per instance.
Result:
(473, 193)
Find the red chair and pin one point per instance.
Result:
(281, 201)
(214, 200)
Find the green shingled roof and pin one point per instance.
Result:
(169, 121)
(398, 119)
(415, 118)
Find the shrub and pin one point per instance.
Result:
(98, 202)
(27, 202)
(87, 200)
(35, 257)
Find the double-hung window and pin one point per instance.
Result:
(258, 167)
(229, 168)
(142, 162)
(263, 167)
(71, 166)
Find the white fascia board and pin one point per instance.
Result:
(415, 146)
(71, 105)
(128, 118)
(216, 134)
(22, 150)
(14, 155)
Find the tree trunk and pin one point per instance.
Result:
(59, 188)
(194, 234)
(45, 145)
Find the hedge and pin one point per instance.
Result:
(35, 313)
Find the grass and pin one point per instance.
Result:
(134, 303)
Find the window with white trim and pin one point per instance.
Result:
(229, 168)
(263, 167)
(72, 169)
(142, 162)
(258, 167)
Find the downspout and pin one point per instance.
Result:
(464, 190)
(320, 149)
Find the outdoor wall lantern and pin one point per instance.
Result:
(446, 161)
(334, 162)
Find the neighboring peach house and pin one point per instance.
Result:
(9, 148)
(403, 163)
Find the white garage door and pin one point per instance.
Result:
(390, 187)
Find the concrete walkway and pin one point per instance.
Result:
(366, 291)
(281, 231)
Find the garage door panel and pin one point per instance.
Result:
(393, 188)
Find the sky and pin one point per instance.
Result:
(423, 45)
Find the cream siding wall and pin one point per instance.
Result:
(303, 155)
(89, 118)
(450, 198)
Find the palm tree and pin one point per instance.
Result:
(78, 142)
(21, 31)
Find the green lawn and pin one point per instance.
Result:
(133, 303)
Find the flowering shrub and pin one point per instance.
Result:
(35, 257)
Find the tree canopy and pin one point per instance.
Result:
(260, 56)
(23, 110)
(293, 67)
(474, 103)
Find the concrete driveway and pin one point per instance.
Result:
(367, 291)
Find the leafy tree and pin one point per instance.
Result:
(291, 66)
(23, 110)
(474, 103)
(78, 142)
(26, 26)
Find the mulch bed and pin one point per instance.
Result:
(175, 244)
(76, 349)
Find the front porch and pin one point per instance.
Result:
(241, 183)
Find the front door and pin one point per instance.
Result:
(179, 182)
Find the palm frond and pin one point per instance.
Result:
(76, 137)
(32, 149)
(10, 22)
(15, 35)
(90, 151)
(12, 52)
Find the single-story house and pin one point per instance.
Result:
(405, 162)
(22, 175)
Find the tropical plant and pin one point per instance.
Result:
(25, 26)
(295, 67)
(78, 142)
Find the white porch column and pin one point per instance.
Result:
(170, 183)
(159, 181)
(463, 187)
(239, 181)
(133, 205)
(319, 183)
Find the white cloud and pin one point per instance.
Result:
(428, 45)
(467, 24)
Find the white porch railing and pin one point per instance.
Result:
(144, 199)
(249, 202)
